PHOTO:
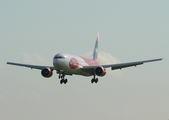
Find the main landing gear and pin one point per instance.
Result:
(62, 77)
(63, 80)
(94, 80)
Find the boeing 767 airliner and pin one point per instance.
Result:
(67, 64)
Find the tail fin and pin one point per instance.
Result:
(95, 52)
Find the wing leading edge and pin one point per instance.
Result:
(30, 66)
(122, 65)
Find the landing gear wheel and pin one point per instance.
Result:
(92, 81)
(65, 81)
(96, 80)
(61, 81)
(59, 76)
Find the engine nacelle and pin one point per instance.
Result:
(100, 71)
(47, 72)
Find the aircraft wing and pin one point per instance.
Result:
(30, 66)
(121, 65)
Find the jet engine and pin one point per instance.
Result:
(47, 72)
(100, 71)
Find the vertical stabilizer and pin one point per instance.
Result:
(95, 51)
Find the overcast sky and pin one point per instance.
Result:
(34, 31)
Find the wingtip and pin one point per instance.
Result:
(160, 58)
(9, 62)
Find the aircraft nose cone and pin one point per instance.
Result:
(59, 60)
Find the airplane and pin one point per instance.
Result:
(67, 64)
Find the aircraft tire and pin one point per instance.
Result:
(93, 80)
(59, 76)
(61, 81)
(96, 80)
(65, 81)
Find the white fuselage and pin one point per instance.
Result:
(72, 64)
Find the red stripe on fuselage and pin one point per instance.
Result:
(90, 62)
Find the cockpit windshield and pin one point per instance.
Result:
(59, 57)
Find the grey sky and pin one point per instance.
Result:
(34, 31)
